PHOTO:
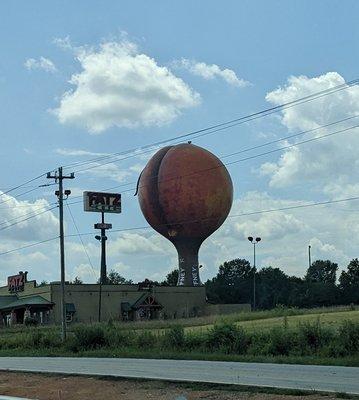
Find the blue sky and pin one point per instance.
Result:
(263, 44)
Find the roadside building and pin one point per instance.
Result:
(21, 299)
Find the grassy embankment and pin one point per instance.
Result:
(316, 336)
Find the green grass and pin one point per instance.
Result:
(267, 318)
(327, 336)
(208, 321)
(183, 355)
(332, 318)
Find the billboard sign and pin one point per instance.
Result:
(16, 283)
(102, 202)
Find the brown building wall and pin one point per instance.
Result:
(177, 302)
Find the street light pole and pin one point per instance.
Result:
(254, 242)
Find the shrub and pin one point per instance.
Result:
(280, 341)
(146, 340)
(313, 336)
(50, 339)
(227, 338)
(175, 337)
(89, 337)
(194, 341)
(348, 338)
(258, 344)
(117, 338)
(30, 321)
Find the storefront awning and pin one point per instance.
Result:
(70, 308)
(24, 302)
(5, 300)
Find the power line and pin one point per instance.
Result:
(258, 146)
(28, 245)
(226, 125)
(250, 157)
(244, 159)
(29, 216)
(210, 129)
(12, 197)
(299, 206)
(21, 185)
(27, 205)
(15, 197)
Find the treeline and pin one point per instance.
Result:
(234, 283)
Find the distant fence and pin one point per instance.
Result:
(217, 309)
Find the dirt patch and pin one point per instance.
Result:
(43, 387)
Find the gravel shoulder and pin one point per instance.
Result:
(57, 387)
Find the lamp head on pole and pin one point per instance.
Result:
(258, 239)
(250, 238)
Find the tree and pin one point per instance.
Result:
(322, 271)
(232, 284)
(273, 288)
(321, 289)
(77, 281)
(171, 278)
(349, 282)
(115, 278)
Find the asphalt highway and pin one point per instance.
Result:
(304, 377)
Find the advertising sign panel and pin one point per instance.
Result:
(16, 283)
(102, 202)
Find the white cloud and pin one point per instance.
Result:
(333, 159)
(210, 71)
(42, 63)
(77, 152)
(121, 87)
(332, 233)
(40, 226)
(63, 43)
(85, 272)
(135, 243)
(109, 171)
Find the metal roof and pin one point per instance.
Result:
(25, 301)
(4, 300)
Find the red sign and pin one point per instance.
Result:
(16, 283)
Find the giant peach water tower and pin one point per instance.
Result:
(185, 193)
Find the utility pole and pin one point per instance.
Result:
(103, 274)
(309, 256)
(59, 177)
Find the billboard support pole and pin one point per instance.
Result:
(103, 203)
(103, 272)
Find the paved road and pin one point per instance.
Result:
(305, 377)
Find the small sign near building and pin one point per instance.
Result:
(16, 283)
(102, 202)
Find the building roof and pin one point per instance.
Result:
(146, 299)
(4, 300)
(25, 302)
